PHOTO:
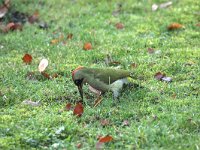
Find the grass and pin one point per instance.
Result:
(160, 116)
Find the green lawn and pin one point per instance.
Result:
(160, 116)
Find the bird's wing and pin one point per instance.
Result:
(109, 76)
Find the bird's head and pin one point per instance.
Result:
(78, 79)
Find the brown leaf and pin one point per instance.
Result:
(79, 145)
(119, 25)
(34, 18)
(87, 46)
(174, 26)
(151, 50)
(198, 24)
(78, 110)
(14, 26)
(159, 75)
(69, 36)
(106, 139)
(104, 122)
(46, 75)
(97, 101)
(68, 106)
(54, 41)
(27, 58)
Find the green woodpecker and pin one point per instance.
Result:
(101, 80)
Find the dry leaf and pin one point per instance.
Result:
(167, 79)
(87, 46)
(159, 75)
(97, 101)
(68, 106)
(165, 5)
(79, 145)
(34, 17)
(78, 110)
(27, 58)
(55, 75)
(154, 7)
(106, 139)
(46, 75)
(174, 26)
(43, 64)
(198, 24)
(4, 8)
(69, 36)
(54, 41)
(31, 103)
(119, 25)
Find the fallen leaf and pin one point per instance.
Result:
(69, 36)
(79, 145)
(154, 7)
(68, 106)
(159, 75)
(106, 139)
(119, 25)
(4, 8)
(27, 58)
(14, 26)
(104, 122)
(97, 101)
(34, 18)
(78, 110)
(54, 41)
(125, 123)
(174, 26)
(151, 50)
(167, 79)
(87, 46)
(43, 64)
(165, 5)
(31, 103)
(46, 75)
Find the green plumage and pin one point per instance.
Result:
(101, 78)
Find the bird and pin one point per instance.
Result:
(101, 80)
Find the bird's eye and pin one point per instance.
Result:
(78, 81)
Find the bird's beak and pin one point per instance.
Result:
(80, 89)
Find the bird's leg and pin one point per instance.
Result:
(98, 93)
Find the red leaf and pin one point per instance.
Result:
(34, 17)
(174, 26)
(69, 36)
(27, 58)
(46, 75)
(106, 139)
(119, 25)
(78, 110)
(159, 75)
(87, 46)
(68, 106)
(79, 145)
